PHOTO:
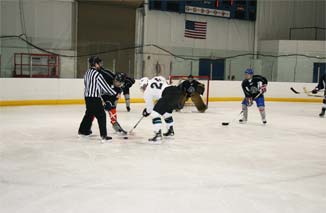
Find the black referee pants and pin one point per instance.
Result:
(94, 107)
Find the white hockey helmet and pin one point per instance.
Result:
(143, 82)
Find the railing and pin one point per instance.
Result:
(29, 65)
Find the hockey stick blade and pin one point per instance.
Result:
(226, 123)
(295, 91)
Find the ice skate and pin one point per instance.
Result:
(106, 139)
(157, 137)
(170, 132)
(243, 121)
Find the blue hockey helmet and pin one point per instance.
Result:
(249, 71)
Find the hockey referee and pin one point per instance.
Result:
(95, 87)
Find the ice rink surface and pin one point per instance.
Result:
(277, 168)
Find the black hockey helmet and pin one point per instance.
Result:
(190, 78)
(121, 77)
(94, 60)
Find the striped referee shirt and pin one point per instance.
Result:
(95, 85)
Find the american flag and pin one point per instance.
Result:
(195, 29)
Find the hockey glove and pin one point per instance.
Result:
(263, 88)
(201, 89)
(145, 113)
(314, 91)
(108, 106)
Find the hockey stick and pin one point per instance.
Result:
(227, 123)
(136, 124)
(295, 91)
(305, 90)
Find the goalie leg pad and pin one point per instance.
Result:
(183, 99)
(198, 101)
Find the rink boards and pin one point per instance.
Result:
(32, 91)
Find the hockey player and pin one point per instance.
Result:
(129, 81)
(116, 81)
(321, 85)
(254, 87)
(193, 89)
(168, 98)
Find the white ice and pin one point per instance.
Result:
(277, 168)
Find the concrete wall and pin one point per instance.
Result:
(276, 17)
(293, 68)
(63, 90)
(224, 37)
(104, 27)
(230, 37)
(49, 24)
(167, 29)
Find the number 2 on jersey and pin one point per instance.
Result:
(157, 85)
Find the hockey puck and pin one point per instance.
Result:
(125, 137)
(225, 123)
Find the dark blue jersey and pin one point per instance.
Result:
(251, 87)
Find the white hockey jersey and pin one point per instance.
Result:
(154, 91)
